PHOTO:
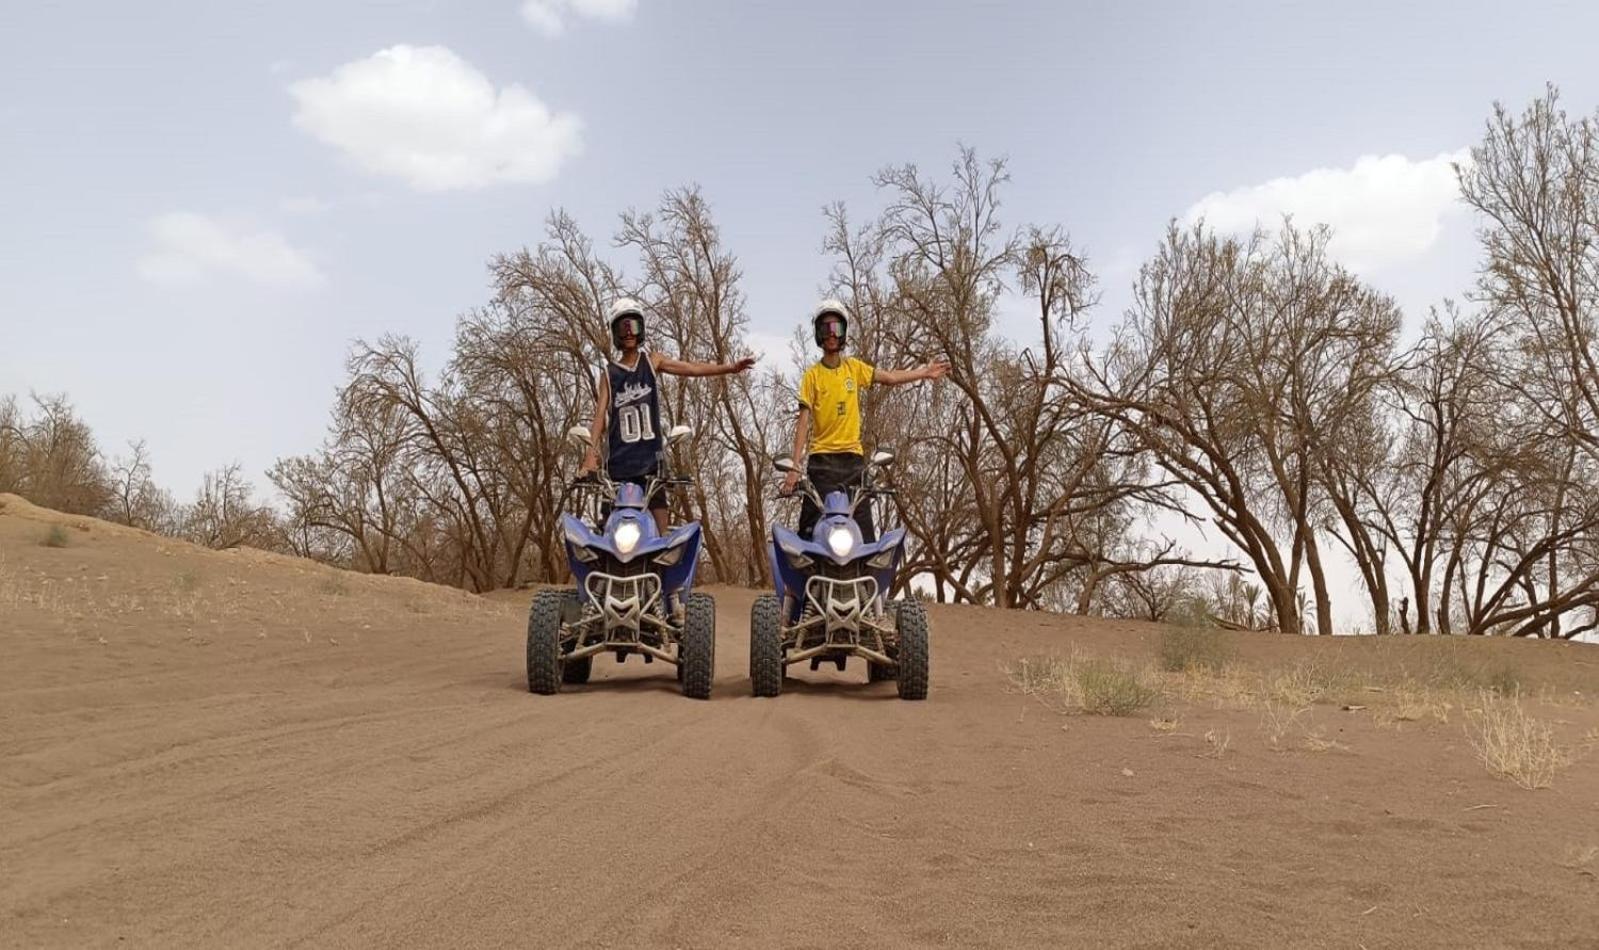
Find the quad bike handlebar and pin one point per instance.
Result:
(594, 489)
(866, 489)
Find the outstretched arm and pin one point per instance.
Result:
(666, 364)
(932, 369)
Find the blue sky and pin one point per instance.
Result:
(204, 203)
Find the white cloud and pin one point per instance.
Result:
(1384, 210)
(190, 248)
(424, 115)
(549, 16)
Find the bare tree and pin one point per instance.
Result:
(1015, 493)
(1536, 182)
(225, 515)
(691, 286)
(1241, 366)
(136, 499)
(51, 458)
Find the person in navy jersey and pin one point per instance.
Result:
(628, 406)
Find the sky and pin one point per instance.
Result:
(203, 204)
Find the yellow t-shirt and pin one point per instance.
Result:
(834, 397)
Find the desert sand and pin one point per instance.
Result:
(203, 748)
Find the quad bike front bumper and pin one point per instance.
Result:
(623, 615)
(840, 618)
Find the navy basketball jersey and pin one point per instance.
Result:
(634, 426)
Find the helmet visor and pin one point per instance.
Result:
(830, 324)
(626, 324)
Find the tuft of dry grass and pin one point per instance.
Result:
(1583, 860)
(1277, 720)
(1312, 680)
(10, 584)
(56, 537)
(1317, 740)
(333, 584)
(1094, 686)
(1218, 742)
(1513, 744)
(1414, 702)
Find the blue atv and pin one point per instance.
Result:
(831, 602)
(633, 590)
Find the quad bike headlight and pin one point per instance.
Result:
(840, 541)
(627, 536)
(881, 560)
(585, 554)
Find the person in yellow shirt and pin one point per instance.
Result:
(830, 414)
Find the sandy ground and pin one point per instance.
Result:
(240, 749)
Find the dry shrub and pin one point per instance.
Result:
(1410, 701)
(1277, 720)
(1192, 648)
(1513, 744)
(56, 537)
(1108, 688)
(1094, 686)
(1310, 681)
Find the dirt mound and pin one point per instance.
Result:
(207, 748)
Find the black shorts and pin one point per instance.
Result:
(830, 472)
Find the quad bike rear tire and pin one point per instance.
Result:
(766, 647)
(910, 620)
(544, 666)
(696, 652)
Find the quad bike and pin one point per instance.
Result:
(633, 589)
(831, 602)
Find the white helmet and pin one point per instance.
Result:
(834, 307)
(626, 307)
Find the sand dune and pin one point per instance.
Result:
(239, 749)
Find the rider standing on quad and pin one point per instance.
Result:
(830, 394)
(629, 406)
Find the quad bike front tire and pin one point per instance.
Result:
(876, 673)
(696, 652)
(766, 647)
(574, 672)
(910, 621)
(544, 673)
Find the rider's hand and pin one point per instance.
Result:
(790, 482)
(935, 369)
(742, 363)
(590, 463)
